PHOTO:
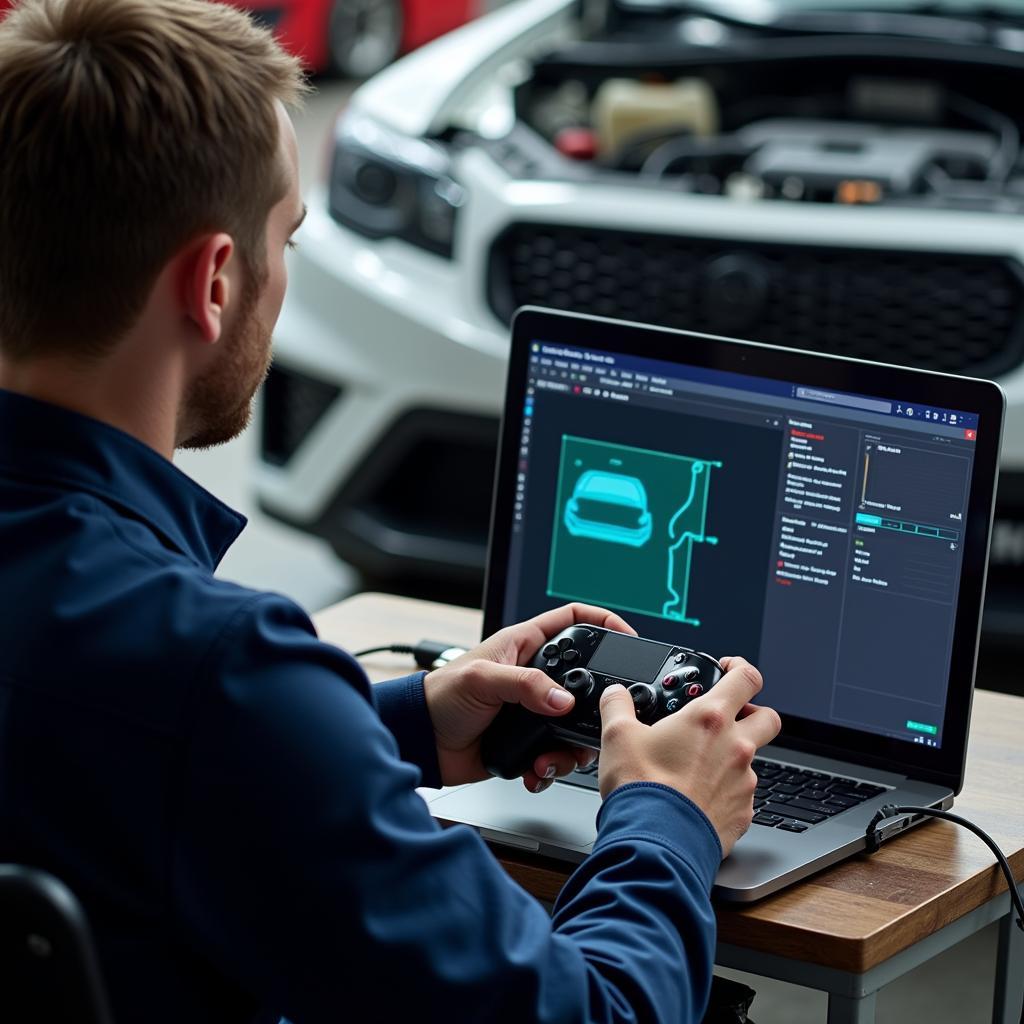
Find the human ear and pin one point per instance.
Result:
(207, 285)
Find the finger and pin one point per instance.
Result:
(616, 706)
(516, 684)
(597, 616)
(738, 687)
(534, 784)
(526, 638)
(555, 764)
(761, 724)
(585, 757)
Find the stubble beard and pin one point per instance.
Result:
(220, 402)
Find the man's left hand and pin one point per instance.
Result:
(464, 696)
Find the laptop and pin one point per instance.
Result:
(826, 518)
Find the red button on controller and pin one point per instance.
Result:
(694, 690)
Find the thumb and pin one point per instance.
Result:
(516, 684)
(616, 704)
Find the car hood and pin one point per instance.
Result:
(420, 93)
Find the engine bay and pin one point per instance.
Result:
(804, 114)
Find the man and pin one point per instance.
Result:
(230, 800)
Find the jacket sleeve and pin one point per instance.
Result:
(402, 707)
(307, 871)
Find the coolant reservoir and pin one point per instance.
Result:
(626, 110)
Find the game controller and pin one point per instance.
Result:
(661, 679)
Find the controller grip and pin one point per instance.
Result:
(513, 741)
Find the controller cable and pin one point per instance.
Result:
(428, 654)
(875, 839)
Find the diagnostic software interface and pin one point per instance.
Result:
(816, 533)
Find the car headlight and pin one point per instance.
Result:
(385, 184)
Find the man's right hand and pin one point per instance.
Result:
(704, 751)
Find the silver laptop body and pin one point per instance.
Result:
(848, 503)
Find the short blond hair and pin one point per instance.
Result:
(127, 127)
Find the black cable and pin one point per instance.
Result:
(891, 811)
(428, 653)
(389, 649)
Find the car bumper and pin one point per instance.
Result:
(380, 421)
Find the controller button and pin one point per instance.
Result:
(679, 658)
(550, 651)
(694, 690)
(571, 656)
(673, 705)
(565, 643)
(670, 682)
(552, 662)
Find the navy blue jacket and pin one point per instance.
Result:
(235, 805)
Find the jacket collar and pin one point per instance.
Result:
(50, 445)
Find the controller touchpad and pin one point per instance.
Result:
(626, 657)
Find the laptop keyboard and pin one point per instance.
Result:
(789, 798)
(793, 799)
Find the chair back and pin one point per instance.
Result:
(49, 971)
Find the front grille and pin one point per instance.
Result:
(942, 311)
(449, 456)
(292, 406)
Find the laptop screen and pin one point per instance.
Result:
(817, 532)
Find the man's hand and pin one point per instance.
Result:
(704, 751)
(465, 695)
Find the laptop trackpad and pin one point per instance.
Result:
(563, 815)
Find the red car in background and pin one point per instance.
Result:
(354, 38)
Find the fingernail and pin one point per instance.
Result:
(559, 699)
(549, 772)
(611, 689)
(542, 785)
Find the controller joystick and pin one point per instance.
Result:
(645, 700)
(579, 682)
(661, 679)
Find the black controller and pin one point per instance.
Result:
(585, 659)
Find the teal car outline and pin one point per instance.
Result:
(602, 505)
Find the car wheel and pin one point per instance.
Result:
(363, 36)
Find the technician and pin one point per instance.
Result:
(230, 799)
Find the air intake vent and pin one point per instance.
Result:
(943, 311)
(292, 406)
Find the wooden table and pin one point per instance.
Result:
(850, 929)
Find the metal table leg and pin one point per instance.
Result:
(1009, 993)
(851, 1009)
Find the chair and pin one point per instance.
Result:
(48, 966)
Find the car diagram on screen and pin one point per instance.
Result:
(627, 524)
(609, 507)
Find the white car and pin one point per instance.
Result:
(834, 178)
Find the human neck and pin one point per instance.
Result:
(127, 389)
